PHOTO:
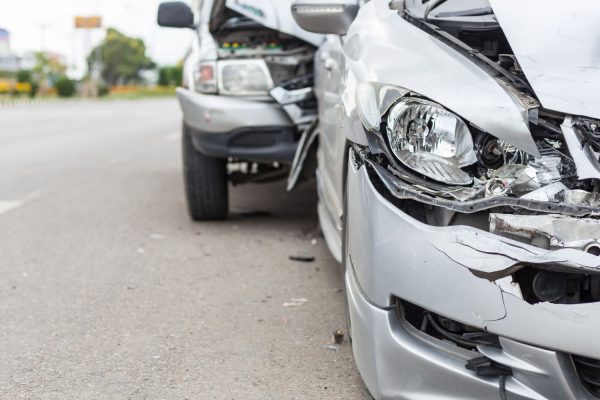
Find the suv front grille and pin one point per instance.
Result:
(588, 370)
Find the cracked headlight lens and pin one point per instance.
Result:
(431, 140)
(244, 77)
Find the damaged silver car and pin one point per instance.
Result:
(458, 179)
(246, 96)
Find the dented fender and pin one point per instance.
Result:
(425, 65)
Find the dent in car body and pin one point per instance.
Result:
(422, 64)
(455, 271)
(458, 264)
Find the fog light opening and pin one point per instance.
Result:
(444, 329)
(593, 248)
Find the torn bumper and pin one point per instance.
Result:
(250, 129)
(450, 271)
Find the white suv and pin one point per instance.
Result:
(246, 98)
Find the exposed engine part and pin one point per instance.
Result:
(502, 170)
(286, 56)
(489, 152)
(402, 190)
(561, 231)
(241, 172)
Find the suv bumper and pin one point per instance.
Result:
(249, 129)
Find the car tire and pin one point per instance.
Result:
(205, 180)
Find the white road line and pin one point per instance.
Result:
(174, 136)
(6, 206)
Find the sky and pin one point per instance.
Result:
(49, 25)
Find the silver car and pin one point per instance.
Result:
(246, 96)
(458, 178)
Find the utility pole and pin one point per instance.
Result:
(89, 24)
(43, 27)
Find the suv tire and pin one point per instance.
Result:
(205, 179)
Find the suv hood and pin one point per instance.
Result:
(557, 45)
(274, 14)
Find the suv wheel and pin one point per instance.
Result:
(205, 180)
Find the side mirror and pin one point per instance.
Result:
(175, 14)
(328, 16)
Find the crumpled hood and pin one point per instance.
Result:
(557, 44)
(274, 14)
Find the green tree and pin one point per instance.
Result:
(47, 67)
(25, 76)
(122, 58)
(170, 76)
(65, 87)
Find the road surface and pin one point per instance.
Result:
(108, 291)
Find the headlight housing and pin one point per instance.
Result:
(430, 140)
(244, 77)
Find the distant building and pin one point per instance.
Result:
(12, 62)
(4, 42)
(8, 62)
(27, 61)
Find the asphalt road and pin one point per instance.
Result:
(108, 291)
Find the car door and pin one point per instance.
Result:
(329, 81)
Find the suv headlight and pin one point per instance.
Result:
(244, 77)
(431, 140)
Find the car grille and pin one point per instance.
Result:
(588, 370)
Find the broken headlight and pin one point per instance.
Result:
(244, 77)
(430, 140)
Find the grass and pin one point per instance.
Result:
(116, 94)
(141, 93)
(128, 93)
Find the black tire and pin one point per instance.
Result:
(205, 179)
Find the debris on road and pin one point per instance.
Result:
(334, 347)
(306, 259)
(338, 340)
(296, 302)
(338, 336)
(249, 214)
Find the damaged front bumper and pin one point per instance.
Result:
(464, 274)
(249, 129)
